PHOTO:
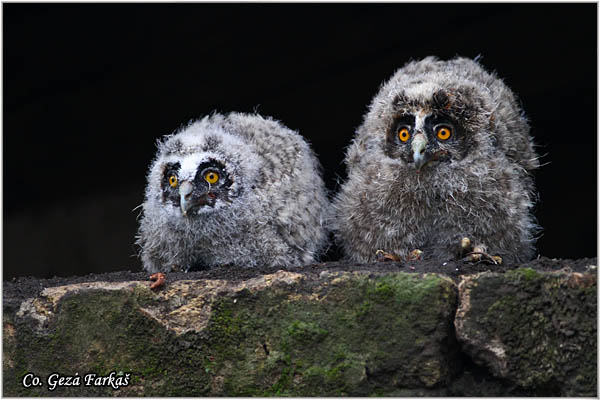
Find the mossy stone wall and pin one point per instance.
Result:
(292, 334)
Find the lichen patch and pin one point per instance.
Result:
(42, 308)
(186, 305)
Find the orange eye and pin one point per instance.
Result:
(444, 133)
(173, 181)
(403, 134)
(211, 177)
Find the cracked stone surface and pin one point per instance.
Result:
(387, 329)
(536, 329)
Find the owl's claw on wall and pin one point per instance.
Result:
(498, 259)
(382, 256)
(416, 254)
(476, 254)
(159, 279)
(465, 245)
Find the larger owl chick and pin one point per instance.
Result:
(235, 189)
(444, 153)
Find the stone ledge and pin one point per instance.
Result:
(326, 331)
(534, 329)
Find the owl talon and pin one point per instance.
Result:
(159, 279)
(480, 256)
(177, 268)
(382, 256)
(476, 254)
(414, 255)
(466, 246)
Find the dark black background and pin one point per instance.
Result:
(88, 88)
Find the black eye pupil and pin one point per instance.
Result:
(444, 133)
(211, 177)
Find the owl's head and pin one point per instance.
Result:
(201, 169)
(434, 112)
(426, 134)
(195, 185)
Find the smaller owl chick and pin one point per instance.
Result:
(235, 189)
(442, 163)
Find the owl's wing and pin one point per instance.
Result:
(298, 207)
(509, 124)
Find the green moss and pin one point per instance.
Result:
(306, 332)
(539, 320)
(100, 332)
(363, 309)
(282, 385)
(268, 343)
(364, 335)
(318, 347)
(326, 376)
(527, 274)
(145, 297)
(224, 324)
(402, 288)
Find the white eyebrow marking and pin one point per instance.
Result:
(420, 118)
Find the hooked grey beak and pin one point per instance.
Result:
(418, 146)
(185, 193)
